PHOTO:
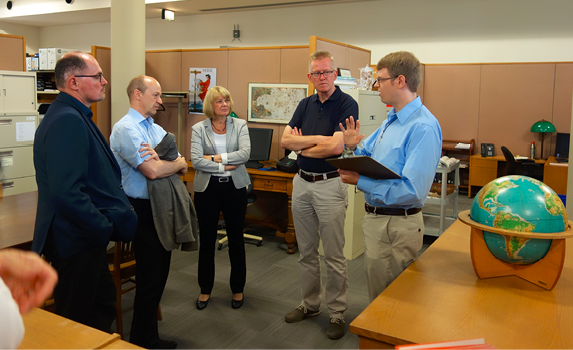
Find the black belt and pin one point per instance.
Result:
(391, 211)
(314, 178)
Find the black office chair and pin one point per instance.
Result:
(528, 166)
(251, 199)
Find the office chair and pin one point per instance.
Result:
(528, 166)
(250, 200)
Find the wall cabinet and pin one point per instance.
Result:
(18, 123)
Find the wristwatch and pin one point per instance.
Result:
(299, 152)
(213, 157)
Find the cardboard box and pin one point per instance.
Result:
(49, 57)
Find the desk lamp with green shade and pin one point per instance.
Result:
(543, 126)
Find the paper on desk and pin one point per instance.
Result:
(520, 157)
(292, 155)
(462, 145)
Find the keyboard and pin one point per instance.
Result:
(253, 164)
(562, 160)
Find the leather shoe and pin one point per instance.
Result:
(200, 305)
(165, 344)
(235, 304)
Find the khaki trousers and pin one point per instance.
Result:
(391, 243)
(319, 210)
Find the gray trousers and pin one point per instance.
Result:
(318, 211)
(391, 243)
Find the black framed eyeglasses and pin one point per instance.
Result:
(381, 80)
(327, 74)
(98, 76)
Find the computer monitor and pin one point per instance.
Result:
(562, 145)
(261, 140)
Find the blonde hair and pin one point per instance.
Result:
(212, 94)
(403, 63)
(319, 55)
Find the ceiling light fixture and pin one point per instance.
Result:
(167, 15)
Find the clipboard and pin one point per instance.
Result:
(364, 165)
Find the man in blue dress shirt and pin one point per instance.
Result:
(132, 141)
(409, 142)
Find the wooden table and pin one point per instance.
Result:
(17, 219)
(555, 176)
(439, 298)
(485, 169)
(269, 181)
(45, 330)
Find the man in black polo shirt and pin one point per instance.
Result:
(319, 198)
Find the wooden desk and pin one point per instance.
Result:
(269, 181)
(45, 330)
(17, 219)
(485, 169)
(555, 176)
(439, 298)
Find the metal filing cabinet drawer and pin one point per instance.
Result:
(20, 185)
(16, 131)
(16, 162)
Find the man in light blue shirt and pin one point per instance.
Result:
(409, 143)
(132, 141)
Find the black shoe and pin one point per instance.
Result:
(235, 304)
(165, 344)
(200, 305)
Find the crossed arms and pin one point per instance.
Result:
(312, 146)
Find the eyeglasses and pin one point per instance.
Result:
(327, 74)
(381, 80)
(98, 76)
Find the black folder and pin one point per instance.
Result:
(364, 165)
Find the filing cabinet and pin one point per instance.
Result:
(18, 123)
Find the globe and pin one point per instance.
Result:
(521, 204)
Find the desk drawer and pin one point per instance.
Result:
(17, 130)
(482, 176)
(20, 185)
(270, 185)
(483, 163)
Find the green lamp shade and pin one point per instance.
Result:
(543, 126)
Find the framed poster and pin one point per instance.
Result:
(200, 79)
(274, 103)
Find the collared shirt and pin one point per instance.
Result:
(322, 118)
(410, 144)
(126, 138)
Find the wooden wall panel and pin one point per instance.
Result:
(294, 66)
(452, 94)
(356, 59)
(13, 53)
(420, 90)
(251, 66)
(166, 68)
(103, 108)
(562, 101)
(337, 51)
(512, 98)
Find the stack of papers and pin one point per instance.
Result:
(462, 145)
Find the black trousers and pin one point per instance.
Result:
(221, 196)
(151, 272)
(85, 291)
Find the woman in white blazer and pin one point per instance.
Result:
(220, 146)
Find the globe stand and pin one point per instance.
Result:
(544, 273)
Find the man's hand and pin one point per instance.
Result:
(349, 177)
(184, 170)
(30, 279)
(351, 137)
(230, 167)
(146, 149)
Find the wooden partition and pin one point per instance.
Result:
(498, 103)
(102, 109)
(13, 55)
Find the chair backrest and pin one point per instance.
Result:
(251, 196)
(509, 160)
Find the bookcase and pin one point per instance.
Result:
(449, 149)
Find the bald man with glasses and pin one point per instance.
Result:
(319, 198)
(81, 203)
